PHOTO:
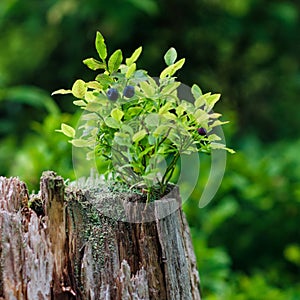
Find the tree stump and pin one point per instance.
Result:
(89, 242)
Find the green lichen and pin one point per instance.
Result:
(97, 229)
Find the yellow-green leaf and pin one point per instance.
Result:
(91, 155)
(170, 88)
(90, 96)
(94, 85)
(115, 61)
(171, 70)
(79, 103)
(67, 130)
(196, 91)
(160, 130)
(134, 56)
(152, 119)
(218, 123)
(112, 123)
(213, 137)
(100, 46)
(89, 116)
(94, 64)
(211, 100)
(133, 111)
(165, 108)
(200, 101)
(62, 92)
(219, 146)
(139, 135)
(117, 114)
(79, 88)
(94, 106)
(82, 143)
(215, 116)
(130, 70)
(201, 115)
(147, 88)
(170, 56)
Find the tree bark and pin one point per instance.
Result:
(90, 242)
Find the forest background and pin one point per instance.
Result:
(247, 240)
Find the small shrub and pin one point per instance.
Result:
(138, 124)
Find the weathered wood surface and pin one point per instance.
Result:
(89, 243)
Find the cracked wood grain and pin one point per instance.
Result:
(61, 244)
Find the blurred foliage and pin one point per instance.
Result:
(247, 239)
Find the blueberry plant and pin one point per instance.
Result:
(138, 124)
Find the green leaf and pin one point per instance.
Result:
(140, 75)
(94, 64)
(122, 139)
(215, 115)
(165, 108)
(134, 56)
(219, 146)
(211, 100)
(152, 120)
(213, 137)
(130, 70)
(230, 150)
(127, 128)
(150, 177)
(67, 130)
(90, 96)
(105, 80)
(94, 106)
(169, 116)
(139, 135)
(91, 155)
(171, 70)
(200, 101)
(151, 140)
(218, 123)
(94, 85)
(100, 46)
(115, 61)
(170, 56)
(160, 130)
(79, 88)
(196, 91)
(146, 151)
(180, 109)
(82, 143)
(112, 123)
(90, 117)
(147, 88)
(170, 88)
(62, 92)
(152, 82)
(134, 111)
(117, 114)
(79, 103)
(201, 115)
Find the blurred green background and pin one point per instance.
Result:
(247, 240)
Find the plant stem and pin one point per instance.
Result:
(171, 168)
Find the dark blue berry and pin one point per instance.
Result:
(128, 91)
(112, 94)
(201, 131)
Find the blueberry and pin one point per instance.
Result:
(201, 131)
(112, 94)
(128, 91)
